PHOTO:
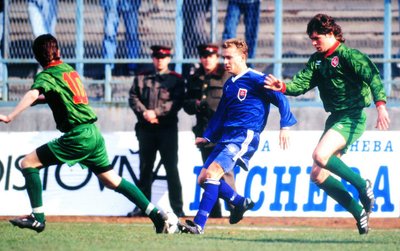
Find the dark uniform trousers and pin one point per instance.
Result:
(163, 93)
(164, 140)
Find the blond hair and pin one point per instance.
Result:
(240, 44)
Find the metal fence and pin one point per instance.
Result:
(281, 47)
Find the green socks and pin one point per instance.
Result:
(338, 167)
(134, 194)
(34, 188)
(338, 192)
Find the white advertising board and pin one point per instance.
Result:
(277, 181)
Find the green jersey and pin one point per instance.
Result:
(65, 95)
(346, 78)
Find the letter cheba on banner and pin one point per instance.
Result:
(278, 181)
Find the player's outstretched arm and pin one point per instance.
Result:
(383, 120)
(27, 100)
(272, 83)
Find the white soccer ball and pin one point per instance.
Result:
(172, 222)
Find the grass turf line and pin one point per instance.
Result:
(141, 236)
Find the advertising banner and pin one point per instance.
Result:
(278, 181)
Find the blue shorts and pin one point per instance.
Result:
(236, 148)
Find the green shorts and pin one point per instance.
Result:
(84, 145)
(349, 123)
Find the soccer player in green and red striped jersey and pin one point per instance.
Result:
(347, 81)
(59, 86)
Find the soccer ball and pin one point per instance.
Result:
(172, 222)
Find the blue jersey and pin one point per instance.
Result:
(245, 105)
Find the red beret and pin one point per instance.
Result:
(160, 51)
(207, 49)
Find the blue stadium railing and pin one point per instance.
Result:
(387, 61)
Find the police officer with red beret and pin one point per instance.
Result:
(155, 98)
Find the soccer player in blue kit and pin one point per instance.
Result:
(235, 128)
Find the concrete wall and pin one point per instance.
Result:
(121, 118)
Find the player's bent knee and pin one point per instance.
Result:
(318, 175)
(201, 180)
(25, 163)
(314, 179)
(110, 179)
(28, 163)
(319, 159)
(214, 171)
(202, 177)
(109, 185)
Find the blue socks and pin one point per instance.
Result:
(207, 202)
(212, 190)
(227, 193)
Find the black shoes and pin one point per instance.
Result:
(367, 198)
(28, 221)
(238, 211)
(190, 228)
(162, 225)
(137, 212)
(362, 223)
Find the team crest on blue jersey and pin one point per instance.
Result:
(242, 93)
(335, 61)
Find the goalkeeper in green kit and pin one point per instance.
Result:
(59, 85)
(346, 80)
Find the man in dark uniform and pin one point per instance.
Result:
(155, 98)
(204, 90)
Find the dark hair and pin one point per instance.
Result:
(238, 43)
(45, 49)
(324, 24)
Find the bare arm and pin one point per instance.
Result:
(27, 100)
(40, 100)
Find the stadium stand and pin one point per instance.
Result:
(362, 22)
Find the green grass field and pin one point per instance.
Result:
(139, 236)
